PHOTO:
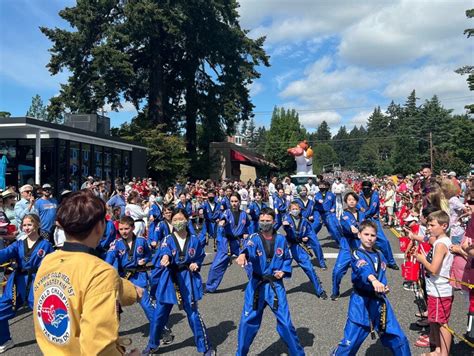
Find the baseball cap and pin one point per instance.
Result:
(8, 193)
(46, 186)
(25, 188)
(65, 192)
(452, 174)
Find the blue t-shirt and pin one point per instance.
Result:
(118, 200)
(47, 209)
(3, 171)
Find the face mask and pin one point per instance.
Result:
(295, 212)
(265, 226)
(367, 191)
(179, 225)
(303, 194)
(159, 199)
(323, 189)
(211, 199)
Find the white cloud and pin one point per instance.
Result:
(328, 87)
(440, 80)
(256, 88)
(358, 119)
(127, 106)
(311, 120)
(405, 31)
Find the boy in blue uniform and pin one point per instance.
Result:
(325, 212)
(27, 254)
(299, 234)
(232, 228)
(279, 205)
(254, 209)
(350, 220)
(306, 204)
(369, 204)
(162, 228)
(211, 210)
(129, 255)
(178, 281)
(271, 262)
(185, 203)
(369, 308)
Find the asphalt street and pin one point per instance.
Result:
(319, 323)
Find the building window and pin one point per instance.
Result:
(86, 161)
(74, 168)
(98, 161)
(26, 162)
(126, 165)
(47, 161)
(107, 163)
(63, 166)
(117, 164)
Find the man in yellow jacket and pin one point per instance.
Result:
(77, 295)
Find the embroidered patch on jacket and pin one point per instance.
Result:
(279, 252)
(52, 312)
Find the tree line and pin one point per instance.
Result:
(395, 141)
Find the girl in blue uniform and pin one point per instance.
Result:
(270, 257)
(211, 210)
(129, 255)
(350, 220)
(27, 256)
(299, 235)
(306, 204)
(233, 227)
(369, 308)
(178, 281)
(254, 209)
(155, 215)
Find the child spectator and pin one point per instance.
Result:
(439, 290)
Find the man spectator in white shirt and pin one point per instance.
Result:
(338, 188)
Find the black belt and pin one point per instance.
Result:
(383, 309)
(175, 269)
(140, 220)
(29, 272)
(266, 278)
(232, 237)
(306, 249)
(129, 272)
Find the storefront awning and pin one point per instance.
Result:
(247, 157)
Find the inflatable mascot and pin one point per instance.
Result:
(304, 158)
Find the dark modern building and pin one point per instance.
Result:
(65, 155)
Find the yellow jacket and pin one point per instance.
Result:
(77, 302)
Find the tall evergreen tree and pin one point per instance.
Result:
(323, 133)
(37, 109)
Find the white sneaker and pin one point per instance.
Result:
(6, 346)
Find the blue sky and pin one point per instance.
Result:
(331, 60)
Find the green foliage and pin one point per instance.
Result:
(37, 110)
(468, 70)
(285, 131)
(5, 114)
(323, 154)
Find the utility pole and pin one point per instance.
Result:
(431, 150)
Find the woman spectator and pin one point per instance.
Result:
(169, 196)
(390, 202)
(136, 212)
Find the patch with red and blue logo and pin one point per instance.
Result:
(40, 253)
(279, 252)
(52, 312)
(191, 252)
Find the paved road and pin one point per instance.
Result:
(319, 323)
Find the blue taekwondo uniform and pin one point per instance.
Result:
(162, 229)
(371, 210)
(224, 203)
(348, 243)
(125, 259)
(370, 312)
(211, 217)
(198, 230)
(228, 244)
(306, 207)
(187, 207)
(157, 212)
(295, 232)
(304, 229)
(110, 233)
(176, 284)
(254, 210)
(18, 291)
(325, 213)
(280, 206)
(267, 257)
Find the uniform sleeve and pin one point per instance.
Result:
(200, 254)
(111, 255)
(287, 262)
(345, 224)
(361, 269)
(128, 293)
(374, 205)
(9, 253)
(165, 249)
(99, 322)
(146, 252)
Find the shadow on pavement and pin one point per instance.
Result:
(145, 328)
(218, 334)
(25, 343)
(279, 347)
(240, 287)
(377, 349)
(306, 287)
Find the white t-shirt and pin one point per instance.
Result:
(438, 286)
